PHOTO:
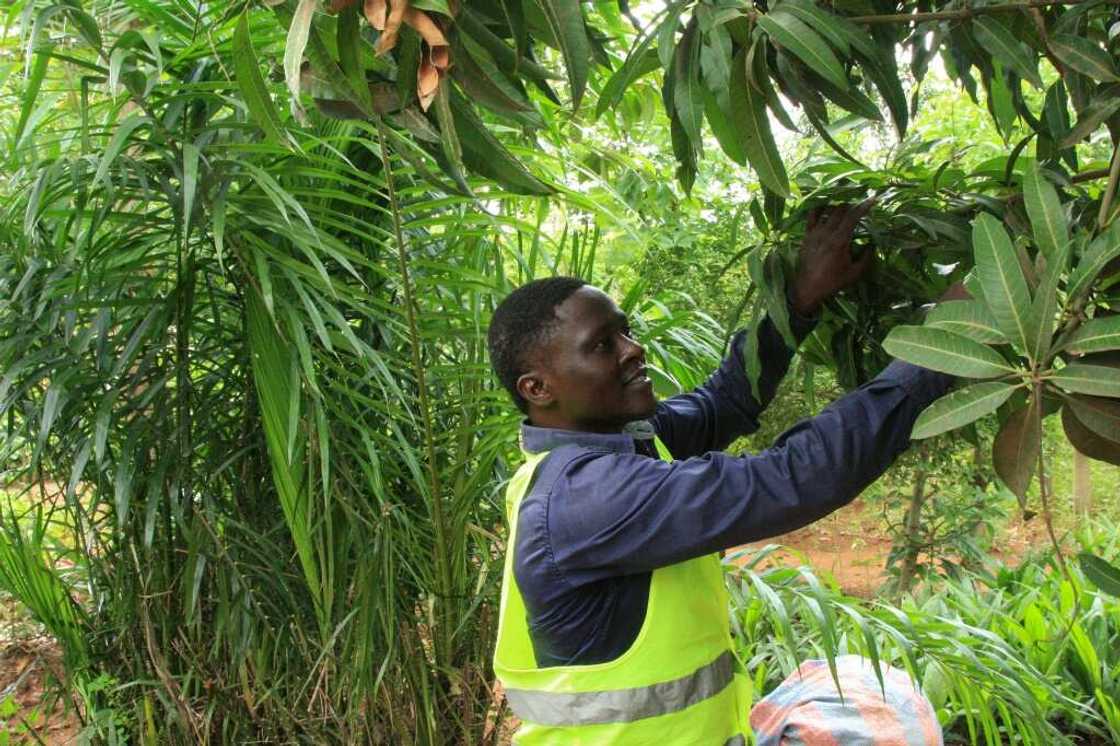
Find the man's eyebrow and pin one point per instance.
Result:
(617, 320)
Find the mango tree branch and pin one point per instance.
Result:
(964, 13)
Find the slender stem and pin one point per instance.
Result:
(1097, 173)
(1044, 490)
(443, 566)
(948, 15)
(1110, 190)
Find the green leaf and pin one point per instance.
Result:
(1083, 56)
(190, 183)
(1100, 573)
(1096, 335)
(565, 22)
(715, 61)
(724, 129)
(452, 146)
(1101, 251)
(1100, 415)
(31, 93)
(486, 155)
(748, 113)
(944, 351)
(1092, 116)
(968, 318)
(1085, 378)
(820, 20)
(508, 58)
(480, 78)
(1016, 447)
(998, 41)
(688, 94)
(294, 46)
(1002, 279)
(1040, 326)
(1090, 443)
(640, 62)
(805, 44)
(1045, 211)
(758, 76)
(117, 144)
(961, 407)
(882, 70)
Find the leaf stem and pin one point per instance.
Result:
(1044, 492)
(443, 566)
(1110, 190)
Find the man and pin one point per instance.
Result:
(614, 622)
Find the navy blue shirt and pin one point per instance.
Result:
(604, 511)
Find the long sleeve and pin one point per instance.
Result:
(711, 416)
(614, 513)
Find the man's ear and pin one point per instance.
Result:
(535, 389)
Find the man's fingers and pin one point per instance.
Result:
(852, 215)
(813, 218)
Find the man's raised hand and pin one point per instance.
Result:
(825, 264)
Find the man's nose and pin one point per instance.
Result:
(632, 348)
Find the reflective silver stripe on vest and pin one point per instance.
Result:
(738, 740)
(623, 705)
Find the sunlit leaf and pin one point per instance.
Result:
(1083, 56)
(961, 407)
(1045, 211)
(967, 318)
(1040, 327)
(298, 34)
(805, 44)
(1002, 279)
(748, 112)
(944, 351)
(1096, 335)
(999, 42)
(1092, 116)
(565, 23)
(1096, 257)
(1085, 378)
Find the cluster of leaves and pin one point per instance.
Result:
(1039, 333)
(723, 62)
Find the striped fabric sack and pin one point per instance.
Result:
(805, 710)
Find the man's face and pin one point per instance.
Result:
(590, 375)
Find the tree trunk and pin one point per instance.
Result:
(1082, 484)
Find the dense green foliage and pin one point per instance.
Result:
(248, 346)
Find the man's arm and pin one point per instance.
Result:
(711, 416)
(612, 514)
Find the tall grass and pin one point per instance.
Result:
(258, 366)
(1021, 656)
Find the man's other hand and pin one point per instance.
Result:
(825, 264)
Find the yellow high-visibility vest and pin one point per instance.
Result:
(679, 683)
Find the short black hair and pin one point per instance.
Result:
(521, 323)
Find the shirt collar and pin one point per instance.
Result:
(536, 439)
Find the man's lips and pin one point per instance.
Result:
(639, 376)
